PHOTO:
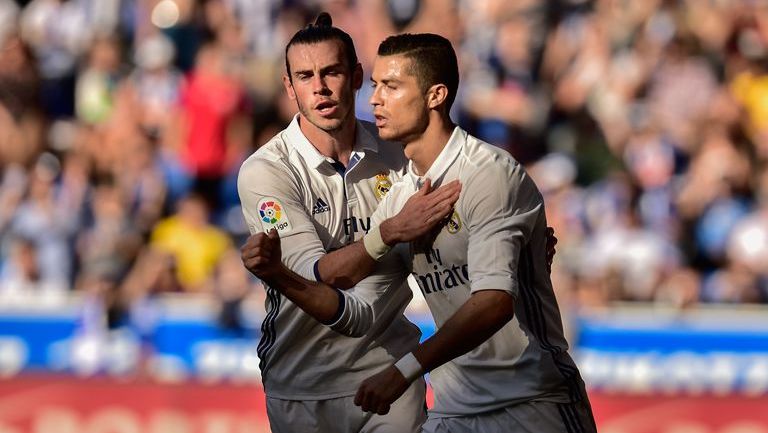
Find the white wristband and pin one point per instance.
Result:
(409, 367)
(374, 245)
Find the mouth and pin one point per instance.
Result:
(381, 121)
(326, 108)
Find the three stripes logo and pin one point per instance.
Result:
(320, 206)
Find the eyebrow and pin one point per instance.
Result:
(388, 81)
(322, 70)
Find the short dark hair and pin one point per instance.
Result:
(322, 30)
(433, 60)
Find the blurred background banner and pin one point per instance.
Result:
(124, 305)
(61, 404)
(648, 370)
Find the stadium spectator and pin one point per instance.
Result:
(651, 109)
(196, 244)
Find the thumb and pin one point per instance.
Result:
(273, 234)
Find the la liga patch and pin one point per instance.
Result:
(273, 215)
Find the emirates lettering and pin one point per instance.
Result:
(441, 277)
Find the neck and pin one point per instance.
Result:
(424, 149)
(336, 144)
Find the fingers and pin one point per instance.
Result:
(448, 191)
(260, 250)
(255, 245)
(273, 234)
(363, 398)
(382, 409)
(551, 242)
(426, 188)
(551, 238)
(370, 402)
(441, 201)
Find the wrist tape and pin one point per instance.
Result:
(374, 245)
(409, 367)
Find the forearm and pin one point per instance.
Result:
(475, 322)
(346, 314)
(345, 267)
(317, 299)
(390, 234)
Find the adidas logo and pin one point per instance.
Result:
(320, 207)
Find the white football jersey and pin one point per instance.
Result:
(495, 240)
(318, 206)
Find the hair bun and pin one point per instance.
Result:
(324, 20)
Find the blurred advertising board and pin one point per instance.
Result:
(179, 338)
(661, 413)
(176, 371)
(720, 351)
(648, 370)
(39, 403)
(652, 370)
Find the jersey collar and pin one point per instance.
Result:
(300, 142)
(363, 141)
(443, 161)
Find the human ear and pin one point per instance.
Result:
(357, 77)
(289, 87)
(437, 95)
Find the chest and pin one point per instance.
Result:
(340, 205)
(446, 250)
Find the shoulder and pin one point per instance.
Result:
(479, 155)
(270, 162)
(272, 155)
(483, 160)
(488, 169)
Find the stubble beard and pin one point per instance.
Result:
(334, 125)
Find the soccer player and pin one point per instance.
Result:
(498, 360)
(317, 183)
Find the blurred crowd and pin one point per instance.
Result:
(123, 124)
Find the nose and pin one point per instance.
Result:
(375, 98)
(319, 86)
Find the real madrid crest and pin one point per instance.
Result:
(383, 184)
(454, 223)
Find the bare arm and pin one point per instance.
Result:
(352, 312)
(474, 322)
(262, 256)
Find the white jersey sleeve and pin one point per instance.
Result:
(273, 198)
(501, 219)
(378, 295)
